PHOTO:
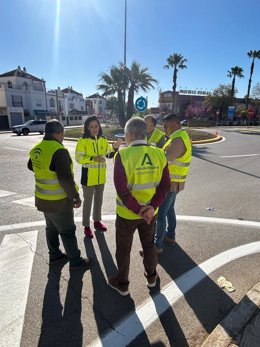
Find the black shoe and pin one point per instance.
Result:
(84, 264)
(61, 258)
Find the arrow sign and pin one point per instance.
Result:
(141, 104)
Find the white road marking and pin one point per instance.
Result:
(4, 193)
(198, 219)
(238, 155)
(16, 259)
(17, 149)
(138, 321)
(27, 201)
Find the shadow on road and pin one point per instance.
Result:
(206, 299)
(62, 326)
(200, 152)
(109, 307)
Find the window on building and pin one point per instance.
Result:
(71, 118)
(25, 85)
(38, 102)
(82, 108)
(9, 84)
(52, 102)
(63, 118)
(80, 117)
(100, 101)
(71, 106)
(17, 101)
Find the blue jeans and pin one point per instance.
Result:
(166, 210)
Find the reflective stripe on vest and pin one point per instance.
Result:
(44, 181)
(178, 177)
(143, 186)
(49, 191)
(178, 163)
(94, 166)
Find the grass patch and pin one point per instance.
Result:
(110, 132)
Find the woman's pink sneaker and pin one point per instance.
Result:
(88, 232)
(100, 226)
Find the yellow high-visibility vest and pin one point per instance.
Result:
(156, 136)
(47, 186)
(179, 167)
(143, 167)
(86, 151)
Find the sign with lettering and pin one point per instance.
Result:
(194, 92)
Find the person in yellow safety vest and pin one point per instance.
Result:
(91, 152)
(178, 151)
(56, 194)
(155, 136)
(142, 181)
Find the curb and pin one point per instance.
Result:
(215, 139)
(226, 331)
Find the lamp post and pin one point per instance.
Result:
(124, 67)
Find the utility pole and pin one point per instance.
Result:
(124, 70)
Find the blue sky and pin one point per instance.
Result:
(71, 42)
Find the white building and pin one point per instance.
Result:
(22, 97)
(75, 108)
(96, 104)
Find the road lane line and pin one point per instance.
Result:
(4, 193)
(16, 259)
(126, 330)
(198, 219)
(17, 149)
(238, 155)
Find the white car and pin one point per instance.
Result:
(36, 126)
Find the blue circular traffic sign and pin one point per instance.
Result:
(141, 104)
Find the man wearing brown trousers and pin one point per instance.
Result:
(142, 180)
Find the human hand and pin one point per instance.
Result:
(77, 204)
(147, 213)
(117, 143)
(99, 159)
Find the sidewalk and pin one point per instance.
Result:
(241, 327)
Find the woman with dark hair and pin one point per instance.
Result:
(91, 152)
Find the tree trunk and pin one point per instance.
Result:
(249, 83)
(233, 90)
(130, 103)
(174, 89)
(121, 109)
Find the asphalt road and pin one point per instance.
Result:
(218, 234)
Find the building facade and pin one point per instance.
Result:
(22, 97)
(96, 104)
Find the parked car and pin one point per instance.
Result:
(184, 122)
(32, 126)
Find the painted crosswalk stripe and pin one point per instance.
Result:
(138, 321)
(26, 201)
(4, 193)
(16, 259)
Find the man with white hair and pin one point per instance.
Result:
(141, 179)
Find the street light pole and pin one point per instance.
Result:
(125, 33)
(124, 70)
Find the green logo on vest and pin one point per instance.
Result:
(146, 160)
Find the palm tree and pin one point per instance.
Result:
(252, 54)
(138, 78)
(115, 83)
(176, 61)
(234, 72)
